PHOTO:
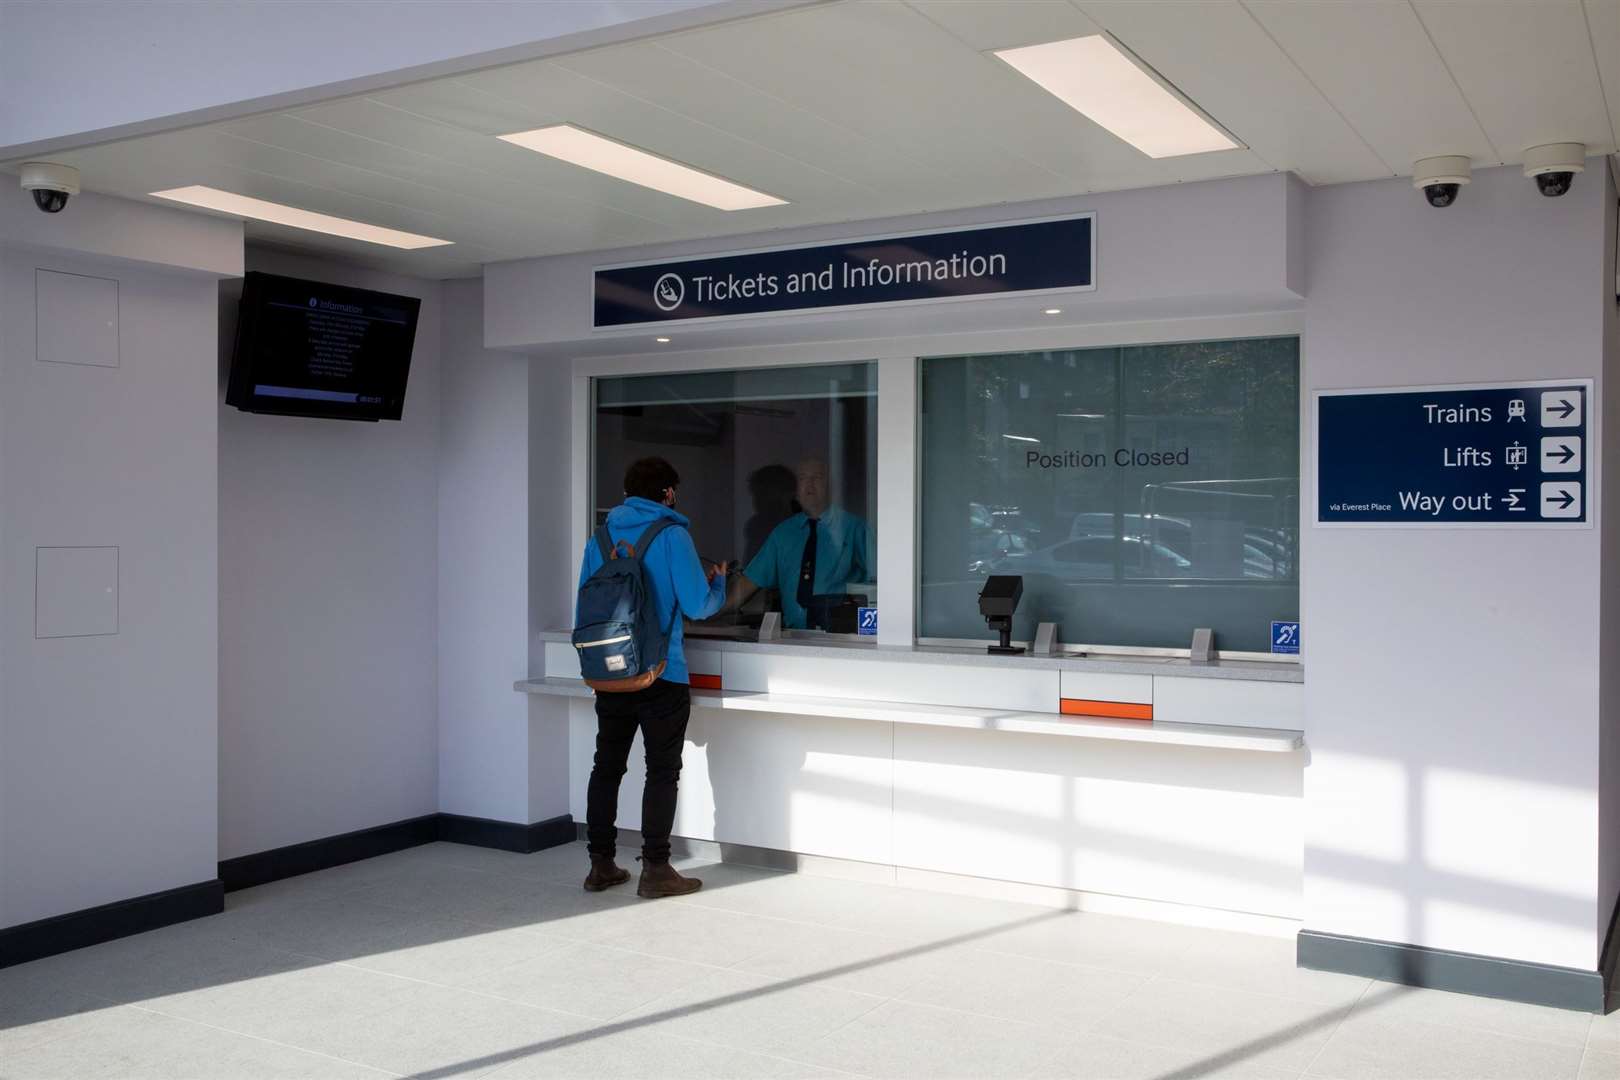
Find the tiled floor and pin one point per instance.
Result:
(448, 961)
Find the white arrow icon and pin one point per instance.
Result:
(1561, 499)
(1514, 503)
(1561, 453)
(1561, 408)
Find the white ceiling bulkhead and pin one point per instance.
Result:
(862, 109)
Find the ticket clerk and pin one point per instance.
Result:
(813, 554)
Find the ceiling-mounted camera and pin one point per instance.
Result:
(1553, 167)
(51, 184)
(1440, 178)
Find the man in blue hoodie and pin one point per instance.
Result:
(679, 583)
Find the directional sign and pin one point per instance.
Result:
(1490, 454)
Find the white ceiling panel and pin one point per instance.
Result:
(481, 183)
(1219, 56)
(1046, 130)
(664, 80)
(1603, 20)
(858, 109)
(1004, 24)
(886, 72)
(1526, 67)
(1377, 67)
(557, 94)
(397, 120)
(443, 262)
(622, 118)
(204, 156)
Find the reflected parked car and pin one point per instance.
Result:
(995, 532)
(1093, 557)
(1174, 533)
(997, 547)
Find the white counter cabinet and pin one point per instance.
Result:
(945, 766)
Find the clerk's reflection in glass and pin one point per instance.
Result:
(812, 557)
(772, 489)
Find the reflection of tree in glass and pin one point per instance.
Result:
(1252, 384)
(1108, 549)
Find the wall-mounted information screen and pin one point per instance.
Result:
(1455, 455)
(306, 348)
(1141, 492)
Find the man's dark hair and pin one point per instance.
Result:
(650, 477)
(772, 480)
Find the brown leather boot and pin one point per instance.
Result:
(605, 874)
(661, 879)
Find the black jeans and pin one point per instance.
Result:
(660, 711)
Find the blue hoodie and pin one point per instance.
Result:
(672, 565)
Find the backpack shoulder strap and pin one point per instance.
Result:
(650, 534)
(647, 537)
(604, 543)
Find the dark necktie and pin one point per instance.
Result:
(807, 568)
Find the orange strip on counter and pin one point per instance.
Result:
(1113, 710)
(704, 682)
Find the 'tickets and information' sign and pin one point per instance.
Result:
(1034, 256)
(1456, 455)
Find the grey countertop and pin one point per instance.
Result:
(847, 649)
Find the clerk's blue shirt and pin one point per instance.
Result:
(843, 554)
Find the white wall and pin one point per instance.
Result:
(95, 65)
(483, 568)
(554, 552)
(554, 549)
(1452, 675)
(503, 509)
(328, 652)
(108, 743)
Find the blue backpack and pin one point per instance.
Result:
(621, 644)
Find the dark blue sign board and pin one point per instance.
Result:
(1285, 637)
(1034, 256)
(1456, 455)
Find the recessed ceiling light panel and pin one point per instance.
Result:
(1101, 80)
(623, 162)
(244, 206)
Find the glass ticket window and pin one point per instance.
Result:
(778, 471)
(1141, 492)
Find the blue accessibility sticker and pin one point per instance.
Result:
(1285, 637)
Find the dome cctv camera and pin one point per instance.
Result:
(1440, 178)
(1554, 166)
(51, 184)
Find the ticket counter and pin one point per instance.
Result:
(1327, 780)
(1062, 779)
